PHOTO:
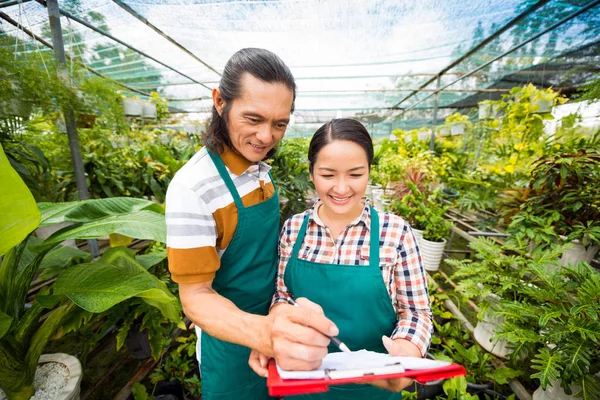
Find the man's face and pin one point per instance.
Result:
(257, 119)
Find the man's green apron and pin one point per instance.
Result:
(355, 299)
(247, 278)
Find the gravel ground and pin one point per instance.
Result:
(50, 379)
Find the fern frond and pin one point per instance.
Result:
(548, 365)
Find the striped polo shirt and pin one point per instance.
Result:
(201, 215)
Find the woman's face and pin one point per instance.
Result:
(340, 175)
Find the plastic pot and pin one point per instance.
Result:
(73, 387)
(483, 333)
(138, 343)
(133, 107)
(578, 253)
(431, 253)
(149, 110)
(458, 129)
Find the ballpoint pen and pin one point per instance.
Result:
(334, 339)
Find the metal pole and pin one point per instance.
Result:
(92, 27)
(63, 74)
(169, 38)
(493, 36)
(435, 110)
(531, 39)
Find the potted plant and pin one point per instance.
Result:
(495, 274)
(489, 109)
(425, 213)
(563, 203)
(93, 286)
(457, 123)
(555, 331)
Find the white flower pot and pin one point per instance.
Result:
(44, 232)
(423, 135)
(72, 388)
(431, 253)
(149, 110)
(485, 111)
(393, 138)
(542, 106)
(418, 235)
(484, 330)
(554, 392)
(133, 107)
(578, 253)
(458, 129)
(444, 131)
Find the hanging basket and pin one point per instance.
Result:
(458, 129)
(149, 110)
(444, 131)
(133, 107)
(423, 135)
(577, 253)
(554, 392)
(483, 333)
(485, 111)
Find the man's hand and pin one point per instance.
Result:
(298, 335)
(258, 362)
(398, 347)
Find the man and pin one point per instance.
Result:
(222, 232)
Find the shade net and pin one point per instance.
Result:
(375, 60)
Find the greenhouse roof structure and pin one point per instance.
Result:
(389, 63)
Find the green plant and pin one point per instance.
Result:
(564, 197)
(555, 325)
(181, 365)
(290, 173)
(87, 287)
(423, 212)
(457, 118)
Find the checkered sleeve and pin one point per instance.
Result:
(413, 305)
(282, 295)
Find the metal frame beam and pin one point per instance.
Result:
(11, 21)
(108, 35)
(137, 15)
(12, 3)
(531, 39)
(475, 49)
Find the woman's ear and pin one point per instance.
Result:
(218, 101)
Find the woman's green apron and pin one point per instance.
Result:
(355, 299)
(247, 278)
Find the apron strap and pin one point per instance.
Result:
(273, 182)
(300, 238)
(374, 242)
(226, 178)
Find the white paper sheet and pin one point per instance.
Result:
(360, 360)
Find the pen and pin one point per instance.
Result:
(334, 339)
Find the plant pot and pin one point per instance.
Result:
(485, 111)
(554, 392)
(393, 138)
(450, 192)
(73, 386)
(149, 110)
(418, 235)
(542, 106)
(458, 129)
(444, 131)
(423, 135)
(168, 390)
(431, 253)
(133, 107)
(43, 232)
(578, 253)
(484, 330)
(138, 343)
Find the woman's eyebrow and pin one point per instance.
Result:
(350, 170)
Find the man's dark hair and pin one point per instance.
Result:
(260, 63)
(340, 129)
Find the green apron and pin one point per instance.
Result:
(247, 278)
(355, 299)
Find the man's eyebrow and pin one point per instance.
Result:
(258, 116)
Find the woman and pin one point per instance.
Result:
(362, 267)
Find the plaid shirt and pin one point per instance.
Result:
(399, 260)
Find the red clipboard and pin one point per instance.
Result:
(288, 387)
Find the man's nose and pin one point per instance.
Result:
(264, 133)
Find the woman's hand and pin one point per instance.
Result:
(397, 347)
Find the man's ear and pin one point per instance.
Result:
(218, 101)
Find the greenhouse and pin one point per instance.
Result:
(192, 194)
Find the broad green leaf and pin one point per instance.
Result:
(164, 301)
(90, 210)
(19, 215)
(151, 259)
(139, 224)
(60, 258)
(501, 375)
(96, 287)
(5, 323)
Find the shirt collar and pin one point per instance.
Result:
(364, 217)
(234, 161)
